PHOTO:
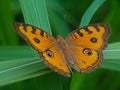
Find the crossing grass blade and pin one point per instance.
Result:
(21, 69)
(35, 13)
(21, 64)
(90, 12)
(16, 52)
(112, 57)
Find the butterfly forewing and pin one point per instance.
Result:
(36, 37)
(93, 36)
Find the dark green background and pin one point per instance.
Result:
(70, 12)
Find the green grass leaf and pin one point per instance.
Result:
(90, 12)
(16, 52)
(35, 13)
(20, 69)
(112, 51)
(112, 57)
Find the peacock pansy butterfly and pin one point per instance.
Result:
(81, 50)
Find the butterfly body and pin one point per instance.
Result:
(81, 50)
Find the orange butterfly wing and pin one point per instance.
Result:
(46, 45)
(86, 45)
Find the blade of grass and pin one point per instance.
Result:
(35, 13)
(111, 64)
(90, 12)
(113, 51)
(17, 52)
(112, 57)
(22, 69)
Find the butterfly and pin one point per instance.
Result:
(80, 50)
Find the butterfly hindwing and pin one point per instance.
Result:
(55, 59)
(86, 59)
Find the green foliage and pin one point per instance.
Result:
(90, 12)
(22, 69)
(35, 13)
